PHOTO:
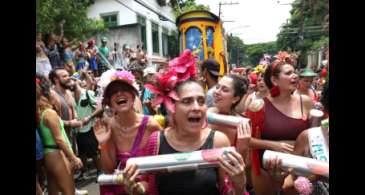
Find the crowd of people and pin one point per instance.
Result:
(109, 106)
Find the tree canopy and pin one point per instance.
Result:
(182, 6)
(307, 27)
(49, 13)
(255, 51)
(236, 48)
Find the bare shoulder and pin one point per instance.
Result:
(69, 93)
(153, 125)
(213, 110)
(220, 140)
(50, 112)
(54, 95)
(50, 115)
(307, 101)
(70, 97)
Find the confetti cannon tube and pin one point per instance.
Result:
(318, 144)
(169, 163)
(220, 119)
(315, 117)
(112, 179)
(302, 166)
(180, 161)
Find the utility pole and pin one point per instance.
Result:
(220, 4)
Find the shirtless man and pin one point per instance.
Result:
(64, 102)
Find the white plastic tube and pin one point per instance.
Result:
(318, 144)
(180, 161)
(315, 117)
(220, 119)
(301, 165)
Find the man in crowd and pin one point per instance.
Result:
(149, 75)
(86, 111)
(210, 71)
(64, 102)
(104, 56)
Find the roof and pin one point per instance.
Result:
(196, 15)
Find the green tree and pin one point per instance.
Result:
(236, 50)
(256, 51)
(182, 6)
(306, 29)
(49, 13)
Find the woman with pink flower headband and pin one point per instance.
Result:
(124, 132)
(277, 121)
(184, 97)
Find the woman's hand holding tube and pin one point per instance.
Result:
(130, 173)
(234, 165)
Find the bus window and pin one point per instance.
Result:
(194, 41)
(210, 41)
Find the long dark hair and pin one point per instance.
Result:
(240, 86)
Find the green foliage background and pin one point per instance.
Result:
(49, 13)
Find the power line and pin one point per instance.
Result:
(305, 27)
(220, 4)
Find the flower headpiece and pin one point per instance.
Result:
(259, 69)
(283, 57)
(265, 60)
(123, 75)
(111, 75)
(180, 69)
(184, 65)
(253, 78)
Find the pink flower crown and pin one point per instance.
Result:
(112, 75)
(180, 69)
(123, 75)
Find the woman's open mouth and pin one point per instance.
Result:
(194, 119)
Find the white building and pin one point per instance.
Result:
(134, 22)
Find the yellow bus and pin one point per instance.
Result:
(202, 32)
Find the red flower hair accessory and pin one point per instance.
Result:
(165, 90)
(180, 69)
(184, 65)
(253, 78)
(283, 57)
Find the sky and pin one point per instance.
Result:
(255, 21)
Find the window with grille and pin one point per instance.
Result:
(155, 39)
(165, 36)
(142, 21)
(110, 20)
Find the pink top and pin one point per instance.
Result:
(122, 157)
